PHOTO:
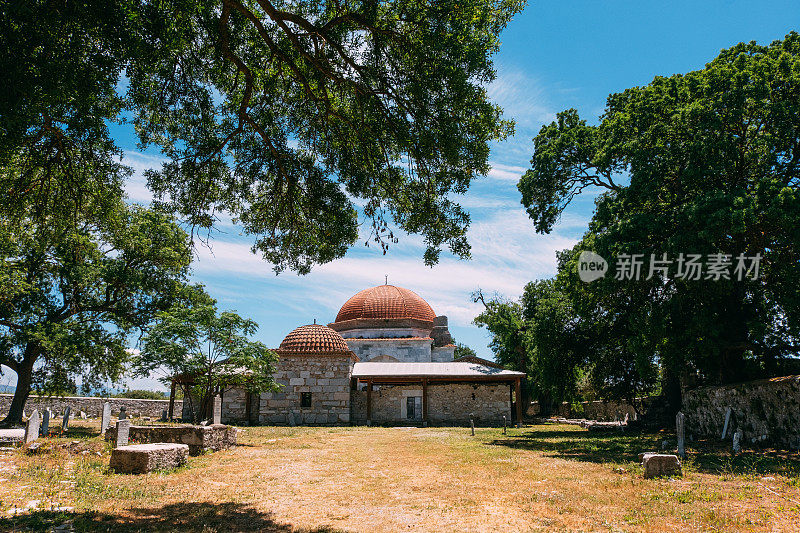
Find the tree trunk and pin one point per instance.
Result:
(23, 390)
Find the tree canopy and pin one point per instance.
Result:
(703, 163)
(290, 116)
(72, 297)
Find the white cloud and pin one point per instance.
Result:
(506, 172)
(521, 97)
(506, 255)
(136, 186)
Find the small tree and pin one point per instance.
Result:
(206, 351)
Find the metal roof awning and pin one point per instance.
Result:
(457, 371)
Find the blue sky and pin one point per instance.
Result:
(554, 55)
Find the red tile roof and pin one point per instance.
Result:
(313, 339)
(386, 302)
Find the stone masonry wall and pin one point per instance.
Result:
(448, 404)
(326, 378)
(766, 411)
(91, 406)
(404, 350)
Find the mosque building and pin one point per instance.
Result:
(386, 359)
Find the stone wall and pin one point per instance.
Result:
(327, 378)
(91, 406)
(448, 404)
(596, 410)
(766, 411)
(412, 350)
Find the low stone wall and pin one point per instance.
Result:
(92, 406)
(766, 411)
(448, 404)
(597, 410)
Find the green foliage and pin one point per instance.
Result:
(207, 351)
(142, 394)
(285, 114)
(538, 336)
(705, 162)
(74, 292)
(462, 350)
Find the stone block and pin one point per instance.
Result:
(144, 458)
(199, 438)
(656, 464)
(296, 381)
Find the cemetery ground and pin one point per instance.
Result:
(542, 477)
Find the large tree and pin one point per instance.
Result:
(702, 163)
(291, 116)
(205, 351)
(73, 293)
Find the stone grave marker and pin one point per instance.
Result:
(82, 414)
(217, 410)
(737, 441)
(504, 424)
(123, 413)
(164, 415)
(32, 427)
(65, 421)
(105, 418)
(292, 422)
(45, 427)
(727, 420)
(123, 430)
(680, 427)
(472, 424)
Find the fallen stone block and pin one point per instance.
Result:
(657, 464)
(144, 458)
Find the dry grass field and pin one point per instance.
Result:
(539, 478)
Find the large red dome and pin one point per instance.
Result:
(386, 302)
(313, 339)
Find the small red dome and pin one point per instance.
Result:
(386, 302)
(313, 339)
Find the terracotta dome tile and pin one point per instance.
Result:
(386, 302)
(313, 339)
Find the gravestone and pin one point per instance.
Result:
(45, 427)
(32, 427)
(65, 421)
(82, 414)
(164, 415)
(105, 418)
(123, 430)
(292, 422)
(727, 420)
(123, 413)
(472, 424)
(737, 441)
(680, 423)
(217, 409)
(504, 424)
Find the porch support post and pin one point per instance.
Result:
(369, 402)
(518, 402)
(424, 402)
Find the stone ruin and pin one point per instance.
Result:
(199, 439)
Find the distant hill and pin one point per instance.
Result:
(7, 389)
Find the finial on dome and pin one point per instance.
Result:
(386, 281)
(315, 321)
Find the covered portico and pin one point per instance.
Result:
(449, 392)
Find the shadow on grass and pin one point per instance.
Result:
(185, 516)
(583, 445)
(619, 448)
